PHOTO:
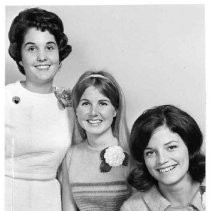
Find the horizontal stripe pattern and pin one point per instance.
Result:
(108, 196)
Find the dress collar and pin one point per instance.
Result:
(155, 201)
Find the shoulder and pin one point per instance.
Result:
(135, 202)
(78, 147)
(12, 86)
(75, 154)
(12, 90)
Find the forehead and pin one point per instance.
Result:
(37, 36)
(162, 135)
(93, 93)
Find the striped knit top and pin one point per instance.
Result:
(93, 190)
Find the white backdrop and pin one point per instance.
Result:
(156, 52)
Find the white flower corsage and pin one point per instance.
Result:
(111, 157)
(63, 96)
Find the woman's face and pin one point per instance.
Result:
(40, 56)
(95, 112)
(166, 157)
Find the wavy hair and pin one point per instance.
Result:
(177, 121)
(42, 20)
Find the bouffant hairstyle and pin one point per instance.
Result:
(178, 121)
(108, 86)
(42, 20)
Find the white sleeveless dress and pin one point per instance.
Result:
(37, 137)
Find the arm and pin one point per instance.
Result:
(67, 200)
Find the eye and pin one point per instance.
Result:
(172, 147)
(103, 103)
(149, 153)
(31, 48)
(85, 103)
(50, 47)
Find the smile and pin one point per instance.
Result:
(42, 67)
(167, 169)
(94, 122)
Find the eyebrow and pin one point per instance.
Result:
(168, 143)
(32, 43)
(102, 100)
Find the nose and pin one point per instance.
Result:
(41, 56)
(94, 110)
(161, 158)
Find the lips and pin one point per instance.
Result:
(42, 67)
(167, 169)
(94, 122)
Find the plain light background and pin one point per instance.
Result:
(156, 52)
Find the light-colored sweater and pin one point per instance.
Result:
(93, 190)
(153, 200)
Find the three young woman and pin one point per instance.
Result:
(165, 141)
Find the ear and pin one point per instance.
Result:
(20, 63)
(76, 113)
(114, 113)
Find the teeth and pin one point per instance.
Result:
(42, 67)
(167, 169)
(94, 121)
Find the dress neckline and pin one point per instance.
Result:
(98, 149)
(28, 92)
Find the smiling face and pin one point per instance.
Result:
(40, 56)
(95, 112)
(166, 157)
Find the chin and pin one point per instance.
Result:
(171, 181)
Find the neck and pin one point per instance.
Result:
(180, 194)
(38, 88)
(102, 141)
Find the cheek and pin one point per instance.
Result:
(81, 113)
(149, 163)
(185, 159)
(55, 57)
(108, 112)
(26, 59)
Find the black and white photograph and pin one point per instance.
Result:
(105, 107)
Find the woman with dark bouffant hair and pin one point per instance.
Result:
(38, 125)
(41, 20)
(166, 144)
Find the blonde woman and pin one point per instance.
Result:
(99, 165)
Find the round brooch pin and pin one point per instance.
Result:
(16, 99)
